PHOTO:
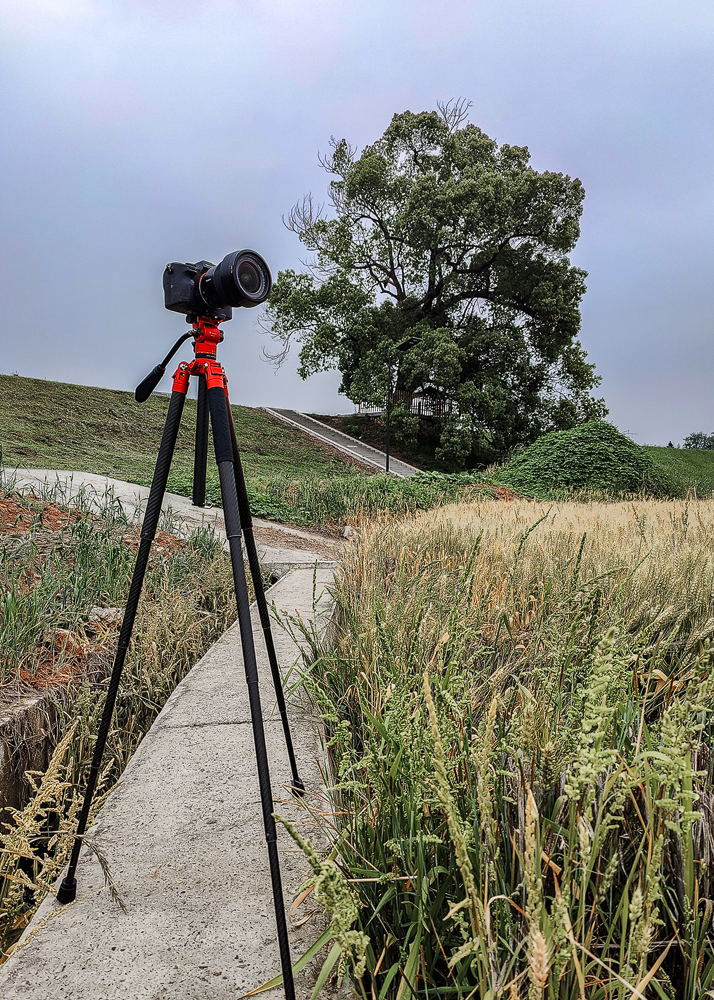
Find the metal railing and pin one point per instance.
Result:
(420, 404)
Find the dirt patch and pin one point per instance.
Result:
(89, 661)
(163, 543)
(321, 545)
(36, 537)
(17, 515)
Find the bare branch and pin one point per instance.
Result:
(327, 160)
(454, 112)
(303, 216)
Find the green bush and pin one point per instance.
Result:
(594, 456)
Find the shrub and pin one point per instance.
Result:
(594, 456)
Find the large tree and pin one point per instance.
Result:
(436, 231)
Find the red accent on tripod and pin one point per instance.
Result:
(207, 336)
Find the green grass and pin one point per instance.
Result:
(329, 502)
(53, 425)
(289, 476)
(693, 468)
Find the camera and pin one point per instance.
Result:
(203, 289)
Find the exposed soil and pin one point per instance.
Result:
(163, 541)
(321, 545)
(21, 515)
(32, 530)
(88, 661)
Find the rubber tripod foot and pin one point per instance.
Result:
(67, 892)
(297, 787)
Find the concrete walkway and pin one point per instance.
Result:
(343, 442)
(99, 490)
(183, 835)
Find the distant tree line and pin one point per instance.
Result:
(699, 440)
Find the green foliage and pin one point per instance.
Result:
(315, 502)
(403, 427)
(594, 456)
(440, 233)
(699, 440)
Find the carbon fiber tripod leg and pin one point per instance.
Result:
(68, 888)
(224, 458)
(246, 521)
(201, 449)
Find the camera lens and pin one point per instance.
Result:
(241, 279)
(248, 277)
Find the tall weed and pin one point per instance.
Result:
(518, 710)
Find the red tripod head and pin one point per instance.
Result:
(206, 334)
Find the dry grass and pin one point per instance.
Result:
(538, 571)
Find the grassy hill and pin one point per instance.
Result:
(692, 467)
(52, 425)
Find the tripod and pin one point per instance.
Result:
(212, 401)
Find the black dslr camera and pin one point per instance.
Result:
(204, 289)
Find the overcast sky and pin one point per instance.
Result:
(138, 132)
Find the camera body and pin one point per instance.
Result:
(213, 290)
(181, 291)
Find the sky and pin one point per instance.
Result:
(137, 132)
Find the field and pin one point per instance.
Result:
(518, 703)
(290, 477)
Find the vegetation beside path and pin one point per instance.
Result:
(65, 575)
(518, 701)
(682, 468)
(293, 478)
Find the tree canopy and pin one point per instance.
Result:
(437, 232)
(698, 439)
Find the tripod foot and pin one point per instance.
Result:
(297, 787)
(67, 892)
